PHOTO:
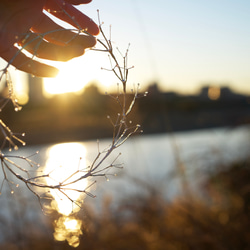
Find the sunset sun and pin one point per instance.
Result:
(69, 79)
(76, 74)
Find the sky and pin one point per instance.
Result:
(182, 45)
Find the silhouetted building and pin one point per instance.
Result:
(35, 90)
(153, 90)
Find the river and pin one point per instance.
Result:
(152, 158)
(146, 161)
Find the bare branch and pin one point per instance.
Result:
(37, 181)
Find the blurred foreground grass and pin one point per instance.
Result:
(219, 219)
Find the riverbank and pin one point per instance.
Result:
(77, 118)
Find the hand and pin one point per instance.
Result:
(23, 22)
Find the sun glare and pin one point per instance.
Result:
(76, 74)
(21, 89)
(69, 79)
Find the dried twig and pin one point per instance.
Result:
(122, 130)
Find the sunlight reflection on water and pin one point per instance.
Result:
(63, 160)
(149, 158)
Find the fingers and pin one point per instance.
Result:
(77, 2)
(42, 49)
(68, 13)
(54, 43)
(26, 64)
(54, 33)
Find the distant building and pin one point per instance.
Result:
(153, 90)
(219, 93)
(35, 90)
(227, 93)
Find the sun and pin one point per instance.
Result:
(69, 79)
(75, 74)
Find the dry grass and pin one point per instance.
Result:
(220, 221)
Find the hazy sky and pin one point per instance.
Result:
(182, 44)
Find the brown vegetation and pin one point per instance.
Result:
(219, 221)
